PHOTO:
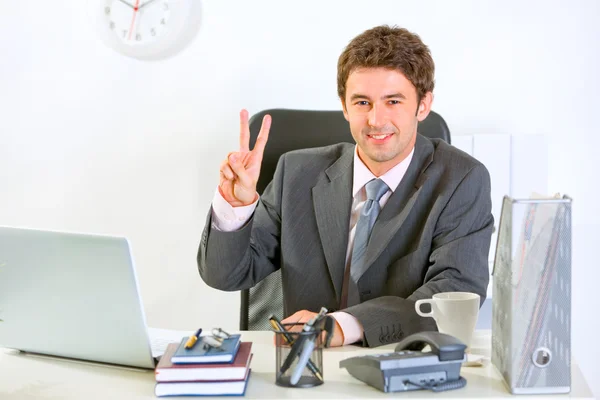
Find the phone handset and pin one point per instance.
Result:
(446, 347)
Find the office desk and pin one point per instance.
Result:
(25, 377)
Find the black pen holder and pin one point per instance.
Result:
(294, 366)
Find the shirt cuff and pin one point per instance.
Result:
(351, 328)
(227, 218)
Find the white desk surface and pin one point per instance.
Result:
(27, 377)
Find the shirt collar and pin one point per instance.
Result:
(392, 178)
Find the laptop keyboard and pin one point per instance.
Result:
(158, 345)
(160, 339)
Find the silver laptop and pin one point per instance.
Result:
(72, 295)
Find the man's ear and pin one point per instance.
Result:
(345, 111)
(424, 106)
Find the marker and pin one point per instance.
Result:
(309, 345)
(193, 339)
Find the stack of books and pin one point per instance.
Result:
(204, 370)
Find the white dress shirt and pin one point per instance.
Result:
(227, 219)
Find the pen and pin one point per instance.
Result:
(193, 339)
(276, 324)
(309, 345)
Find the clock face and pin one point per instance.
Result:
(146, 29)
(136, 22)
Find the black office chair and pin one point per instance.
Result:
(292, 130)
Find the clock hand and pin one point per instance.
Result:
(126, 3)
(135, 10)
(145, 4)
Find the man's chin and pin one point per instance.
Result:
(381, 157)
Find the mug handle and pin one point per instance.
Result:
(418, 307)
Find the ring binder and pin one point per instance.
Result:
(531, 302)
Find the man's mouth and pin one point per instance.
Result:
(380, 136)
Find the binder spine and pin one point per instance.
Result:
(531, 327)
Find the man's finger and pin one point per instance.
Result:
(263, 136)
(225, 170)
(293, 318)
(299, 318)
(244, 132)
(228, 173)
(226, 188)
(237, 166)
(294, 322)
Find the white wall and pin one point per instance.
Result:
(92, 141)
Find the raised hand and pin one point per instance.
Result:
(239, 172)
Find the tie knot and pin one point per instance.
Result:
(376, 188)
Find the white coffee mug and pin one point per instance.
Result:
(455, 313)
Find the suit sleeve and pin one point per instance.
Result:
(458, 262)
(240, 259)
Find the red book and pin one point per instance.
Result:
(166, 371)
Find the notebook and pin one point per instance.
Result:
(166, 371)
(206, 354)
(214, 388)
(73, 295)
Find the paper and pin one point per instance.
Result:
(160, 338)
(475, 360)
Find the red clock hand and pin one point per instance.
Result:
(135, 10)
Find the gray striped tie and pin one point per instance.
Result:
(376, 188)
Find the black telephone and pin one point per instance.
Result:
(408, 368)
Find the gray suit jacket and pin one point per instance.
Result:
(433, 235)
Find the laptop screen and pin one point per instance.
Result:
(71, 295)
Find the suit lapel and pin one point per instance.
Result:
(400, 203)
(332, 201)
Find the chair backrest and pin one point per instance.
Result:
(292, 130)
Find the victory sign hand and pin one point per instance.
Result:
(239, 172)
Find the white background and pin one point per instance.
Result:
(92, 141)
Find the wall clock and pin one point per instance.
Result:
(146, 29)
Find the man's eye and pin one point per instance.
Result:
(362, 103)
(394, 101)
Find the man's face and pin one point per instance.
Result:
(381, 107)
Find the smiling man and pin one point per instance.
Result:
(407, 216)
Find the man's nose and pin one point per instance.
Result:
(377, 117)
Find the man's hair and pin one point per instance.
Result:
(392, 48)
